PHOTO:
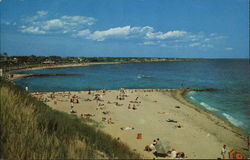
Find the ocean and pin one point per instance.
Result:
(232, 102)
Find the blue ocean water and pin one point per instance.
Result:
(232, 102)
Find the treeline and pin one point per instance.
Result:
(6, 60)
(30, 129)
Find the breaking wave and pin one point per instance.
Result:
(233, 120)
(208, 107)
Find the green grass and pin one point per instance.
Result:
(30, 129)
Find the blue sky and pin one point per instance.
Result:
(125, 28)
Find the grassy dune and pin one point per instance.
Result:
(31, 129)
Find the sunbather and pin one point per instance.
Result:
(180, 155)
(171, 120)
(110, 121)
(117, 104)
(87, 115)
(106, 112)
(161, 112)
(72, 111)
(87, 99)
(127, 128)
(129, 106)
(179, 126)
(134, 108)
(173, 153)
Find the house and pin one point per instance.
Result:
(48, 62)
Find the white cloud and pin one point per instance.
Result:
(64, 24)
(79, 27)
(170, 34)
(9, 23)
(53, 24)
(34, 30)
(163, 45)
(41, 13)
(207, 46)
(212, 34)
(194, 44)
(120, 32)
(149, 43)
(171, 39)
(82, 33)
(127, 32)
(6, 22)
(116, 32)
(229, 48)
(75, 20)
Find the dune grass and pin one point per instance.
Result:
(29, 129)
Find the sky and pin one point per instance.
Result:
(125, 28)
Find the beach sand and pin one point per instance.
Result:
(202, 134)
(16, 75)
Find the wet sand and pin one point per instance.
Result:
(201, 135)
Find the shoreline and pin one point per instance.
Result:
(17, 75)
(214, 127)
(213, 114)
(180, 97)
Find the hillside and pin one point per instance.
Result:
(31, 129)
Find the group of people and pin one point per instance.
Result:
(74, 99)
(170, 154)
(109, 120)
(132, 107)
(152, 146)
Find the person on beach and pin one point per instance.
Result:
(154, 142)
(151, 147)
(224, 151)
(127, 128)
(248, 143)
(89, 92)
(134, 107)
(71, 105)
(82, 116)
(158, 141)
(173, 153)
(110, 121)
(129, 106)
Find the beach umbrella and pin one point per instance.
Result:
(162, 148)
(236, 154)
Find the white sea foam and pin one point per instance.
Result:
(143, 76)
(191, 93)
(192, 98)
(233, 120)
(208, 107)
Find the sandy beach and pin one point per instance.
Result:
(166, 115)
(16, 75)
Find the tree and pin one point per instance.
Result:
(5, 54)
